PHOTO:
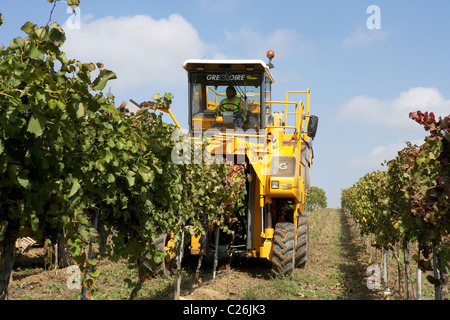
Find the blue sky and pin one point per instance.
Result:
(363, 82)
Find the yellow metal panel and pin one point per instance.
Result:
(195, 245)
(266, 250)
(257, 240)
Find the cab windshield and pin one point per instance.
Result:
(223, 100)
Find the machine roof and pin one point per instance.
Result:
(230, 65)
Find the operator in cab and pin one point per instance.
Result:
(234, 104)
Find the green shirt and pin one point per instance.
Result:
(232, 105)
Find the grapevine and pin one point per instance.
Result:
(71, 162)
(410, 201)
(315, 198)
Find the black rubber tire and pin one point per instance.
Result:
(302, 246)
(163, 268)
(283, 248)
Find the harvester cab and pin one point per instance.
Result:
(211, 106)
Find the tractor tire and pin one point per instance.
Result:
(302, 246)
(283, 248)
(163, 268)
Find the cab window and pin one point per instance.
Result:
(209, 89)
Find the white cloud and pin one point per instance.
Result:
(364, 37)
(394, 114)
(373, 160)
(142, 51)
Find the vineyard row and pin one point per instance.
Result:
(410, 201)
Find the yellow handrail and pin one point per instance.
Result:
(296, 127)
(308, 93)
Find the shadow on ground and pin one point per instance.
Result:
(354, 268)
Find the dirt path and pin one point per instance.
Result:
(336, 270)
